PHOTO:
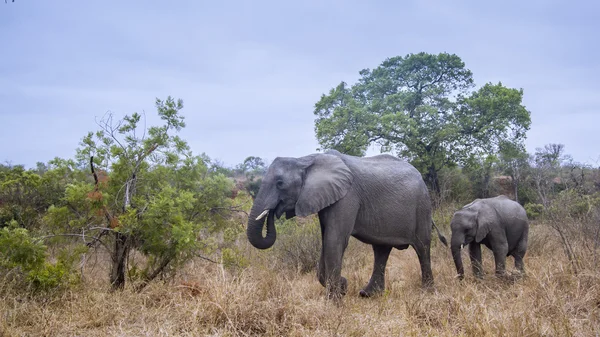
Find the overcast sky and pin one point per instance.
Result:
(250, 72)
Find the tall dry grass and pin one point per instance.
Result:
(266, 299)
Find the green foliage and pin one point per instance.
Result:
(526, 192)
(26, 194)
(455, 186)
(533, 210)
(252, 186)
(253, 169)
(152, 193)
(233, 258)
(163, 230)
(419, 106)
(570, 204)
(19, 250)
(21, 200)
(252, 166)
(480, 172)
(27, 258)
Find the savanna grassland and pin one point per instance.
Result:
(138, 235)
(270, 296)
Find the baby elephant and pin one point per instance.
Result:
(499, 223)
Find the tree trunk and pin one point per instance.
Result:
(433, 180)
(165, 262)
(515, 180)
(117, 273)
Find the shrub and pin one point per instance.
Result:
(19, 250)
(233, 258)
(454, 186)
(533, 210)
(571, 204)
(299, 245)
(25, 259)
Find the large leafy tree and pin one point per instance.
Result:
(422, 107)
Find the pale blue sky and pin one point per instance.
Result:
(250, 72)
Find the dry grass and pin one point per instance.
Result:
(207, 300)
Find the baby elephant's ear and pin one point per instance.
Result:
(484, 223)
(326, 181)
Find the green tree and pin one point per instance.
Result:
(253, 168)
(150, 193)
(480, 170)
(26, 194)
(20, 199)
(421, 107)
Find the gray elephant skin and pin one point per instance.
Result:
(500, 224)
(380, 200)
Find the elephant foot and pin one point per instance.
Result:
(514, 277)
(460, 277)
(504, 276)
(336, 293)
(427, 283)
(374, 287)
(370, 292)
(519, 274)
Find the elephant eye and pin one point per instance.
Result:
(279, 183)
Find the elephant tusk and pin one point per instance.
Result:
(461, 246)
(262, 215)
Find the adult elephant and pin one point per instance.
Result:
(499, 223)
(380, 200)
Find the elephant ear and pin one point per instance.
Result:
(327, 180)
(484, 223)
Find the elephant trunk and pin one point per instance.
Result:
(255, 227)
(456, 250)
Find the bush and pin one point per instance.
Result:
(25, 259)
(19, 251)
(299, 245)
(533, 210)
(455, 186)
(571, 204)
(233, 258)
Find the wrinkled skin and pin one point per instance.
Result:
(498, 223)
(379, 200)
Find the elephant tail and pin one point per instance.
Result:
(442, 238)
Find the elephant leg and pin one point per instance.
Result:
(518, 255)
(519, 263)
(322, 272)
(500, 252)
(425, 261)
(331, 270)
(475, 254)
(377, 283)
(335, 240)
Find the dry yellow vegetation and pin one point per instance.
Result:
(267, 299)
